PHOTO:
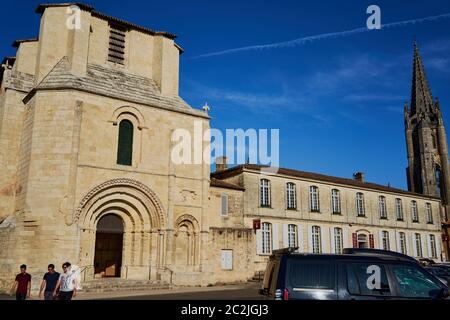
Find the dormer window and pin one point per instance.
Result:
(116, 51)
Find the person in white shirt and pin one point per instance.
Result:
(67, 283)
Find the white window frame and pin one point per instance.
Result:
(360, 208)
(266, 237)
(433, 248)
(316, 239)
(314, 203)
(402, 242)
(291, 195)
(399, 209)
(385, 240)
(418, 242)
(382, 207)
(264, 196)
(292, 236)
(335, 201)
(338, 240)
(429, 213)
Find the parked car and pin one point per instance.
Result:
(357, 274)
(440, 273)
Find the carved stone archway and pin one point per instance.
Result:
(144, 225)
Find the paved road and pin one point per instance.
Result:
(241, 292)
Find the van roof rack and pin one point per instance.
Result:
(378, 252)
(289, 250)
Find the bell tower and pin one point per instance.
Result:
(428, 167)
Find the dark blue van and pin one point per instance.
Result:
(357, 274)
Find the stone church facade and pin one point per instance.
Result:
(86, 120)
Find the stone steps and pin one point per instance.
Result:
(109, 285)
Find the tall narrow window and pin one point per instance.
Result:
(402, 242)
(338, 245)
(314, 199)
(429, 213)
(291, 196)
(418, 241)
(224, 204)
(266, 238)
(385, 240)
(292, 235)
(414, 213)
(433, 252)
(382, 207)
(116, 49)
(316, 240)
(399, 209)
(265, 193)
(335, 201)
(125, 145)
(360, 210)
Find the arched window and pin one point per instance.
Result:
(439, 187)
(362, 241)
(264, 193)
(335, 201)
(291, 202)
(382, 207)
(314, 199)
(125, 144)
(360, 210)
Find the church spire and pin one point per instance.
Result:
(421, 98)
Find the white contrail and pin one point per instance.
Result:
(301, 41)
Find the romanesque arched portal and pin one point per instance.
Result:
(143, 227)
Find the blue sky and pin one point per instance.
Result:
(337, 102)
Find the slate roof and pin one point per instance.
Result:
(231, 172)
(113, 83)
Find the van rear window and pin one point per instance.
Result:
(311, 275)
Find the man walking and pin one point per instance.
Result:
(49, 283)
(67, 283)
(22, 284)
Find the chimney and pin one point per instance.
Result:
(359, 176)
(221, 163)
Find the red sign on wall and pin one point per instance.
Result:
(256, 224)
(371, 241)
(355, 240)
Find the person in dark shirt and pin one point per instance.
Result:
(22, 284)
(49, 283)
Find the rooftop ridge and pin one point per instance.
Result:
(86, 7)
